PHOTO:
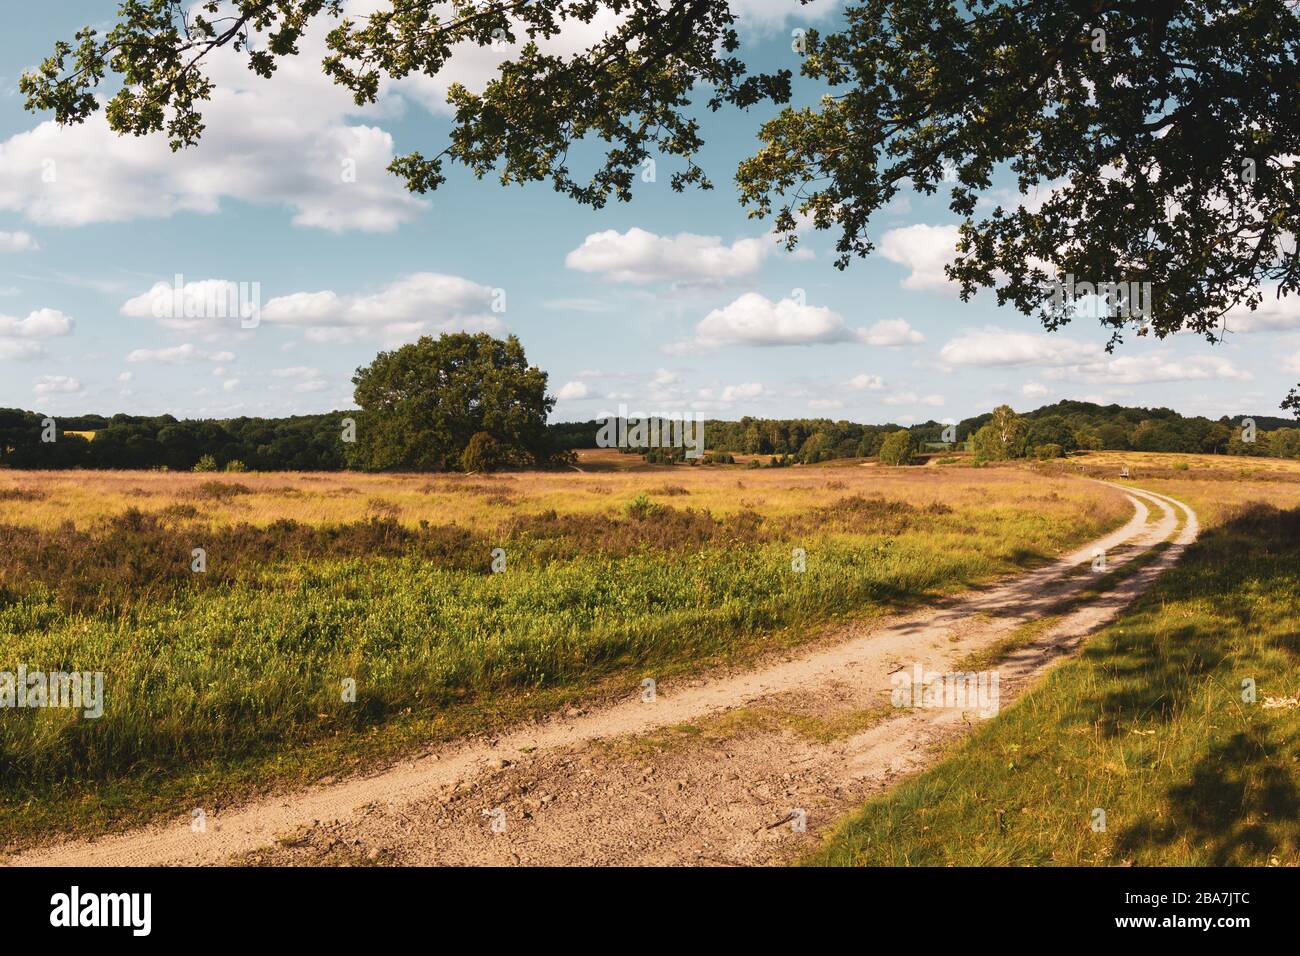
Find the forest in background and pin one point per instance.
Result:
(313, 442)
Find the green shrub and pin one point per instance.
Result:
(641, 508)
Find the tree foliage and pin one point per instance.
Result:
(897, 448)
(1156, 141)
(631, 90)
(422, 404)
(1002, 437)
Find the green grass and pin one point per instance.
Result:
(1148, 724)
(218, 692)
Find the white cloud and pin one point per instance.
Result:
(55, 385)
(641, 256)
(178, 355)
(17, 242)
(753, 319)
(39, 324)
(207, 304)
(21, 338)
(825, 403)
(296, 140)
(1034, 389)
(414, 305)
(767, 15)
(891, 333)
(1273, 314)
(297, 371)
(993, 347)
(230, 384)
(1068, 360)
(1292, 364)
(418, 304)
(925, 250)
(747, 390)
(571, 391)
(1147, 369)
(473, 66)
(866, 382)
(13, 350)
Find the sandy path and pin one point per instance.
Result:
(591, 789)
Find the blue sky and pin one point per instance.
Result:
(673, 302)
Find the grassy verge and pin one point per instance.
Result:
(1148, 724)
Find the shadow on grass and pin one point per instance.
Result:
(1238, 802)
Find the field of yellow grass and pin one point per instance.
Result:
(453, 604)
(606, 479)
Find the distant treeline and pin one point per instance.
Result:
(314, 442)
(1070, 425)
(299, 443)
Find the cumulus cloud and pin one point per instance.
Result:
(17, 242)
(571, 391)
(39, 324)
(1064, 359)
(297, 140)
(992, 347)
(891, 333)
(1034, 389)
(753, 319)
(21, 338)
(925, 250)
(640, 256)
(1273, 315)
(203, 305)
(747, 390)
(420, 304)
(46, 385)
(423, 303)
(866, 382)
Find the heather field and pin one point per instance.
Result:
(453, 605)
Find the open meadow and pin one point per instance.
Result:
(453, 605)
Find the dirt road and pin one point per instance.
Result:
(738, 769)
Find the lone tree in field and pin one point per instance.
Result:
(896, 448)
(1153, 141)
(425, 405)
(1002, 437)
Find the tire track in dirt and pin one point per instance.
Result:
(703, 774)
